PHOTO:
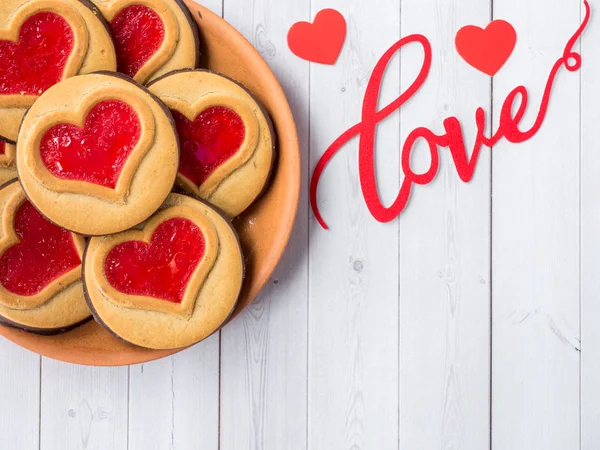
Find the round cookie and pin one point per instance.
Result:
(152, 37)
(169, 283)
(40, 269)
(97, 154)
(8, 169)
(227, 139)
(41, 43)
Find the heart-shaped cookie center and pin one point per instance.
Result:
(97, 152)
(162, 268)
(37, 60)
(208, 141)
(45, 253)
(138, 32)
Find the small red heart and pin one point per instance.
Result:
(487, 50)
(214, 136)
(37, 61)
(45, 253)
(97, 152)
(159, 269)
(320, 41)
(138, 33)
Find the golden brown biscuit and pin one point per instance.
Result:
(169, 283)
(8, 169)
(40, 268)
(41, 43)
(152, 37)
(227, 141)
(97, 154)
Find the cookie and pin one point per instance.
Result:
(152, 37)
(97, 154)
(227, 140)
(40, 268)
(8, 169)
(41, 43)
(169, 283)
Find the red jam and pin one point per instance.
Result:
(2, 148)
(210, 140)
(161, 269)
(45, 253)
(37, 61)
(97, 152)
(138, 33)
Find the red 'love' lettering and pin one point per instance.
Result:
(452, 139)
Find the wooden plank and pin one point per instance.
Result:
(174, 402)
(19, 397)
(353, 271)
(445, 247)
(196, 397)
(215, 6)
(536, 348)
(590, 242)
(264, 351)
(83, 407)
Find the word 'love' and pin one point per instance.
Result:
(453, 137)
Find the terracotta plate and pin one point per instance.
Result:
(264, 229)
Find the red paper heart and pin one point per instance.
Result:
(160, 269)
(320, 41)
(45, 253)
(487, 50)
(214, 136)
(138, 32)
(37, 60)
(97, 152)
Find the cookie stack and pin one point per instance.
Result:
(123, 164)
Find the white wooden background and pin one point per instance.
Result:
(471, 323)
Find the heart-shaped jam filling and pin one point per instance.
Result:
(37, 60)
(45, 253)
(97, 152)
(2, 148)
(160, 269)
(138, 32)
(210, 140)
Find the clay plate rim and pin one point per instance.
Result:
(276, 210)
